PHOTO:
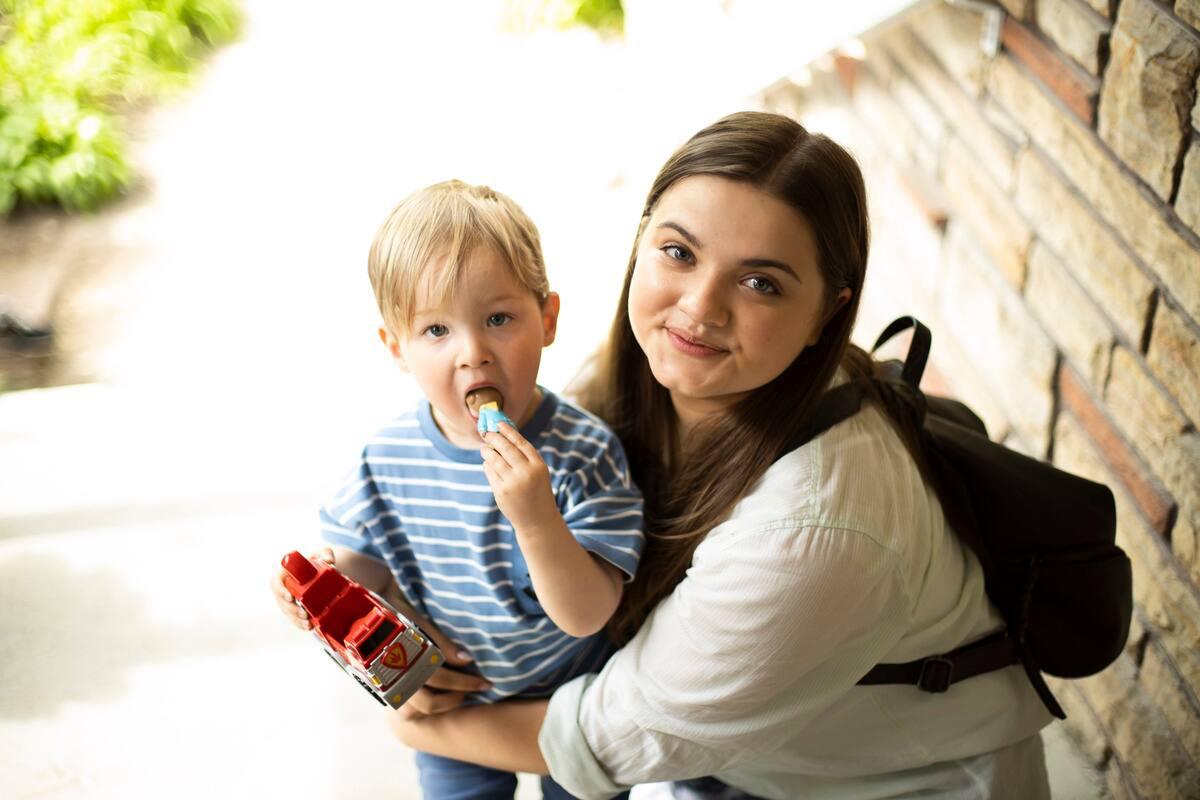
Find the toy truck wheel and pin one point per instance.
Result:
(367, 686)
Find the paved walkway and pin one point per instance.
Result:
(230, 330)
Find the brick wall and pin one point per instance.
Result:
(1039, 209)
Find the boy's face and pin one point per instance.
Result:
(490, 332)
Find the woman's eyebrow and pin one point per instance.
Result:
(682, 231)
(772, 263)
(769, 263)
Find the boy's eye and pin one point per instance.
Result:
(761, 285)
(677, 252)
(435, 331)
(496, 320)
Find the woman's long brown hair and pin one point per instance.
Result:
(689, 489)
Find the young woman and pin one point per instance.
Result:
(775, 578)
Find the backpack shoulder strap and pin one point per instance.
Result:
(838, 404)
(844, 401)
(918, 348)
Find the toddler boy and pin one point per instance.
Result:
(515, 544)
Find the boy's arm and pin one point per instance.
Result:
(578, 591)
(361, 568)
(374, 575)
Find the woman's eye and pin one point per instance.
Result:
(761, 285)
(677, 252)
(435, 331)
(496, 320)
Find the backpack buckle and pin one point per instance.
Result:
(937, 673)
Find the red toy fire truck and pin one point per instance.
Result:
(376, 645)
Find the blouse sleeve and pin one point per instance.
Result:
(767, 630)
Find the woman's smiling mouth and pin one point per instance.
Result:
(691, 346)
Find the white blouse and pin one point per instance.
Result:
(838, 559)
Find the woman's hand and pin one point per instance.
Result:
(519, 478)
(446, 688)
(501, 735)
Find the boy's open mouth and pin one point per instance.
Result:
(476, 398)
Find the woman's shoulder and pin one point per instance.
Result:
(857, 476)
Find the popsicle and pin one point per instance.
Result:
(486, 403)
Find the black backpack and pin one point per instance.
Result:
(1045, 539)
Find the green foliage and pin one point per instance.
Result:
(606, 16)
(603, 15)
(67, 65)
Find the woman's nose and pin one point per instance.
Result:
(703, 299)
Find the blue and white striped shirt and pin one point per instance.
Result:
(424, 507)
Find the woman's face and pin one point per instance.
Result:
(725, 293)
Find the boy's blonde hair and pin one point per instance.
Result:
(439, 227)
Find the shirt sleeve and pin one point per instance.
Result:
(350, 518)
(767, 630)
(603, 509)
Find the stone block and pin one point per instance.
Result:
(1103, 7)
(1117, 783)
(1082, 725)
(1068, 314)
(1021, 9)
(1187, 202)
(1147, 92)
(1147, 493)
(1137, 633)
(1189, 11)
(987, 210)
(1158, 430)
(1141, 738)
(1180, 465)
(994, 146)
(1073, 86)
(1146, 414)
(929, 122)
(1173, 698)
(997, 331)
(875, 52)
(952, 34)
(1174, 356)
(905, 258)
(898, 134)
(1139, 217)
(1086, 245)
(968, 381)
(1196, 107)
(1076, 29)
(1185, 541)
(909, 210)
(1164, 596)
(926, 196)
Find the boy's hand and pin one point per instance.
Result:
(444, 690)
(519, 479)
(283, 598)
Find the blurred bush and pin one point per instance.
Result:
(605, 16)
(68, 68)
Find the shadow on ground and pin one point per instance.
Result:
(71, 635)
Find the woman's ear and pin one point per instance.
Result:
(842, 298)
(393, 346)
